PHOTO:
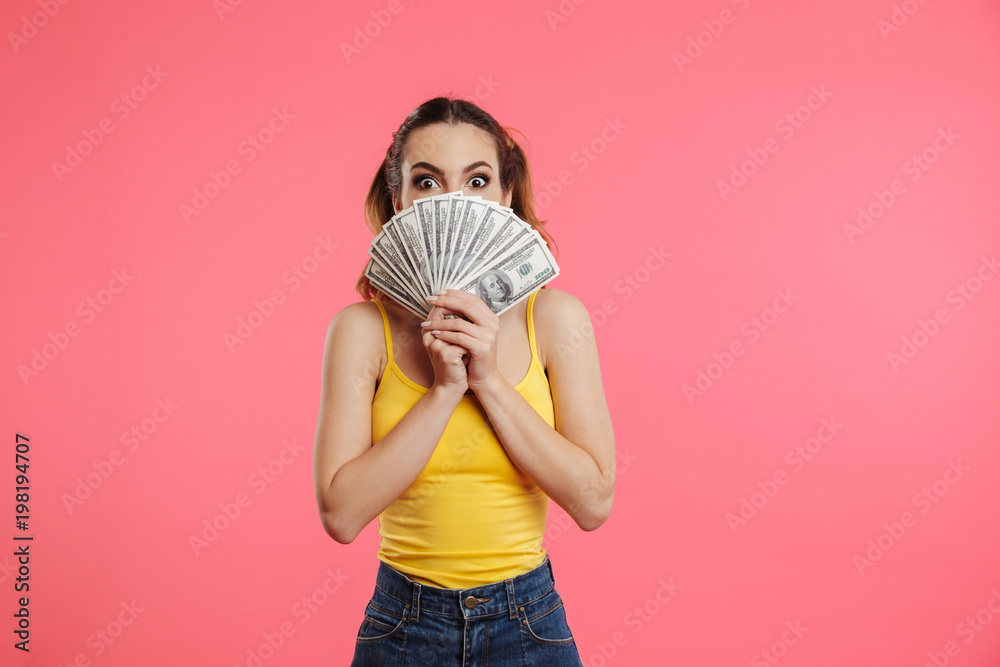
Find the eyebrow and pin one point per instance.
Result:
(431, 168)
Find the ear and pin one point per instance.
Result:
(506, 198)
(396, 203)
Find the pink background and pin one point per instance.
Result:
(660, 136)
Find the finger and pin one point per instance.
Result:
(455, 324)
(465, 303)
(445, 314)
(444, 319)
(444, 350)
(473, 345)
(433, 344)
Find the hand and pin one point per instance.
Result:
(448, 362)
(477, 334)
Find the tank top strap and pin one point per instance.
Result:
(388, 334)
(531, 330)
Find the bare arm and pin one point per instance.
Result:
(574, 464)
(356, 480)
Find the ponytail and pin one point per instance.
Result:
(522, 195)
(378, 210)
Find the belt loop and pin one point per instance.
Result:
(415, 606)
(548, 562)
(508, 584)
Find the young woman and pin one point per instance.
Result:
(455, 432)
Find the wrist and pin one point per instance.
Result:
(489, 385)
(449, 395)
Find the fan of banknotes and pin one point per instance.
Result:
(452, 241)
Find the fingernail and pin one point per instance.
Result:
(430, 298)
(441, 291)
(424, 324)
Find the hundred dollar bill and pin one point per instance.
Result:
(513, 276)
(511, 233)
(455, 207)
(391, 259)
(485, 229)
(494, 226)
(441, 210)
(395, 240)
(458, 242)
(384, 281)
(425, 209)
(468, 224)
(389, 286)
(411, 239)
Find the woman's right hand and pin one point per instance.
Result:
(447, 360)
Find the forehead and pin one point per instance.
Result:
(449, 146)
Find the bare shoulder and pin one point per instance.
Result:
(356, 335)
(358, 317)
(560, 319)
(557, 305)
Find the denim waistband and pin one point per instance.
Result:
(484, 600)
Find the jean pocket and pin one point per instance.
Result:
(544, 620)
(381, 623)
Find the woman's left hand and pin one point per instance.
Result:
(478, 334)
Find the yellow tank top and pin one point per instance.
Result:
(471, 517)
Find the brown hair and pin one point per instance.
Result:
(515, 175)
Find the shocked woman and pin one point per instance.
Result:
(457, 431)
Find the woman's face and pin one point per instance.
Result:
(442, 157)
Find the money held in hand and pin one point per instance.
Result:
(452, 241)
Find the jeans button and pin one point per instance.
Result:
(471, 601)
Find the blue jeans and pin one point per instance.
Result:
(519, 621)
